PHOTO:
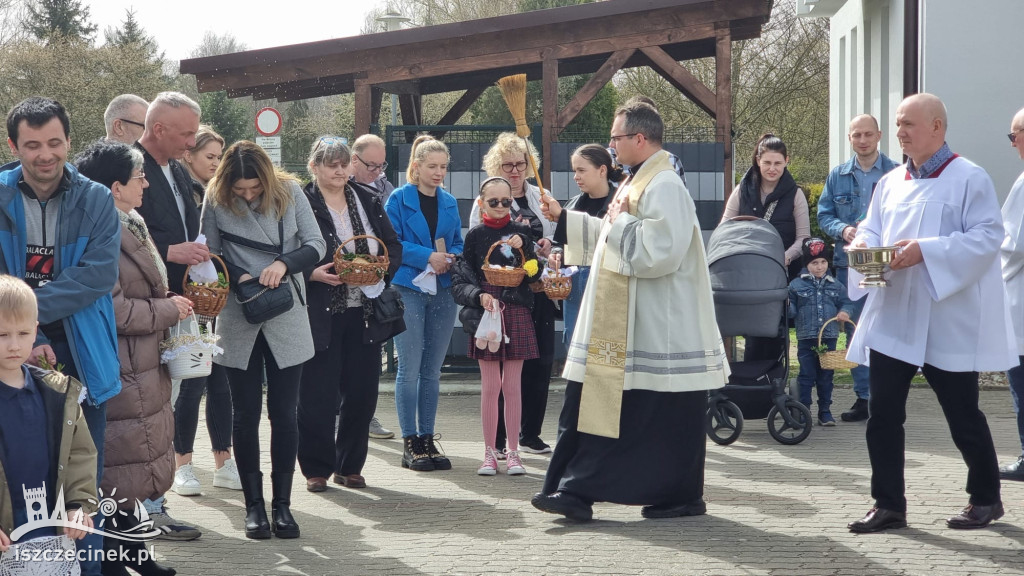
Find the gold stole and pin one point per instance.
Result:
(604, 378)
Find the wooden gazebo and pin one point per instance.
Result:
(600, 38)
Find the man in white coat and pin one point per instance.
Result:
(944, 312)
(646, 347)
(1013, 274)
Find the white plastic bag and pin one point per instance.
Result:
(490, 333)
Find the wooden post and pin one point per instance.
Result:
(363, 105)
(550, 79)
(376, 98)
(723, 99)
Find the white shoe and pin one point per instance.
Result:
(185, 481)
(227, 476)
(378, 431)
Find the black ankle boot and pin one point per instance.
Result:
(440, 461)
(415, 456)
(284, 525)
(110, 563)
(147, 566)
(858, 412)
(257, 526)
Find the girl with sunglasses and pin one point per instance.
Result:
(501, 363)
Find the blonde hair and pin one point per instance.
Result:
(508, 143)
(204, 136)
(422, 146)
(17, 300)
(245, 160)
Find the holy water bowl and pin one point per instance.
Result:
(872, 263)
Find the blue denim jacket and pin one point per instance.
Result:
(814, 301)
(842, 203)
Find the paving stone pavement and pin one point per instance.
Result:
(772, 510)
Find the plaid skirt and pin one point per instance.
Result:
(518, 325)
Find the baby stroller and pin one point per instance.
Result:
(746, 260)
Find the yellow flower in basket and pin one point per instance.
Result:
(531, 267)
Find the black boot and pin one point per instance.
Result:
(110, 563)
(436, 456)
(858, 412)
(415, 456)
(284, 525)
(140, 561)
(257, 526)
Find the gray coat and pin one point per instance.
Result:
(287, 335)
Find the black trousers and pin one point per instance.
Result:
(247, 402)
(346, 373)
(536, 377)
(957, 393)
(218, 411)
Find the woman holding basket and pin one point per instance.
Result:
(261, 224)
(340, 317)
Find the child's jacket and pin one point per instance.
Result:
(814, 301)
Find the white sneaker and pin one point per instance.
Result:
(378, 431)
(185, 481)
(227, 476)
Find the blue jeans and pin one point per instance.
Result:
(861, 378)
(812, 375)
(1016, 377)
(571, 305)
(429, 321)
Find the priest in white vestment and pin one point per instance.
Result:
(944, 312)
(646, 347)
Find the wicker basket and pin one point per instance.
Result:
(206, 300)
(557, 287)
(361, 273)
(196, 360)
(507, 277)
(834, 359)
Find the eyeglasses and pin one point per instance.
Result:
(370, 166)
(517, 166)
(615, 139)
(140, 175)
(1013, 135)
(132, 122)
(493, 202)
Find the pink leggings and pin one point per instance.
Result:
(493, 382)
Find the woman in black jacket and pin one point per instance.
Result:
(346, 336)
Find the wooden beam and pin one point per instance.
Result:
(681, 78)
(723, 101)
(411, 106)
(376, 98)
(363, 103)
(458, 109)
(598, 81)
(550, 105)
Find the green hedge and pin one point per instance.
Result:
(813, 192)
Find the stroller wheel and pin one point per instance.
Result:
(724, 422)
(793, 427)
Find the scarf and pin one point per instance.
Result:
(340, 293)
(601, 399)
(495, 223)
(137, 226)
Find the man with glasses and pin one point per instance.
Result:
(1013, 274)
(369, 168)
(677, 164)
(125, 118)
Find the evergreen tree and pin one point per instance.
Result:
(46, 19)
(132, 36)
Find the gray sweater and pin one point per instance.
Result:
(287, 335)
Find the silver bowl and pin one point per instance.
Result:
(872, 263)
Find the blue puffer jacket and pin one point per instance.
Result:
(842, 203)
(814, 301)
(85, 271)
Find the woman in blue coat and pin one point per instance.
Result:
(426, 218)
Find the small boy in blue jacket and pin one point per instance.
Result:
(815, 298)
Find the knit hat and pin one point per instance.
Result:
(813, 249)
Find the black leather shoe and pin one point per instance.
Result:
(976, 516)
(857, 413)
(878, 519)
(257, 526)
(695, 508)
(283, 524)
(569, 505)
(1013, 471)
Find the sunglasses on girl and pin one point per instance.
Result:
(493, 202)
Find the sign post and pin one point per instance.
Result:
(268, 125)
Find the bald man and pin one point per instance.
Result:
(843, 203)
(1013, 274)
(944, 312)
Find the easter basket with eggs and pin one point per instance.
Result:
(360, 269)
(504, 276)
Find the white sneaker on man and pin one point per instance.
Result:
(185, 481)
(227, 476)
(378, 431)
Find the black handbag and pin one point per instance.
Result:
(387, 319)
(261, 303)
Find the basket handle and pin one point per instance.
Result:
(227, 275)
(487, 257)
(829, 321)
(341, 246)
(193, 326)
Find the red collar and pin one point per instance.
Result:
(495, 223)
